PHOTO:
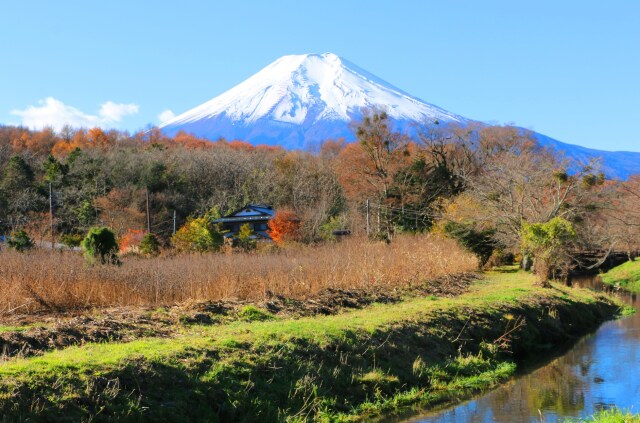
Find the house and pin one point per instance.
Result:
(256, 215)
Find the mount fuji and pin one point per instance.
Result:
(299, 101)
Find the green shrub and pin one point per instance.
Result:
(334, 223)
(198, 235)
(244, 240)
(20, 241)
(549, 243)
(71, 240)
(100, 244)
(150, 245)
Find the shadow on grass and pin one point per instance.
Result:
(506, 269)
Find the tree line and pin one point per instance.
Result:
(491, 187)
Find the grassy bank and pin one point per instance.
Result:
(342, 367)
(625, 276)
(611, 416)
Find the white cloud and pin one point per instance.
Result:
(166, 116)
(54, 113)
(113, 112)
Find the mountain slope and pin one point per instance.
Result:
(614, 164)
(299, 101)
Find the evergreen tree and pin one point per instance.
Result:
(100, 244)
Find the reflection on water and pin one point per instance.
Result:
(600, 371)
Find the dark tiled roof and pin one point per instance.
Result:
(242, 219)
(266, 212)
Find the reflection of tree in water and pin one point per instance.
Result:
(559, 387)
(628, 324)
(595, 374)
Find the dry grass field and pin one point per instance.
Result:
(44, 281)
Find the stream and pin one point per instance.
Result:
(600, 371)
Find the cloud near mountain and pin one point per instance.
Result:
(51, 112)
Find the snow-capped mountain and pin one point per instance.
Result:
(299, 101)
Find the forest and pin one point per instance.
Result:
(490, 187)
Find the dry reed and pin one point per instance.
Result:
(42, 280)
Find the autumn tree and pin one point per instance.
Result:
(521, 182)
(367, 168)
(285, 226)
(517, 183)
(70, 141)
(130, 241)
(382, 148)
(622, 214)
(98, 138)
(41, 142)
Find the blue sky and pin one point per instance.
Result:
(568, 69)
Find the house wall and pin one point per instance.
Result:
(257, 226)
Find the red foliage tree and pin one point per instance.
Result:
(285, 226)
(130, 242)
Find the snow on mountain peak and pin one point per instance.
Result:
(299, 101)
(304, 90)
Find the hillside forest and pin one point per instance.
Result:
(492, 188)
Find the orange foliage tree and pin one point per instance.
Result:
(366, 168)
(285, 226)
(66, 145)
(130, 241)
(191, 141)
(98, 138)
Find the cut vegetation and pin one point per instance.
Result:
(41, 282)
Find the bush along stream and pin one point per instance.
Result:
(344, 367)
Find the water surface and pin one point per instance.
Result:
(601, 371)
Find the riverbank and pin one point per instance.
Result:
(613, 416)
(626, 276)
(346, 366)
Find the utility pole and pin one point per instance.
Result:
(174, 221)
(148, 214)
(368, 218)
(51, 212)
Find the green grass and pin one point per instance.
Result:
(340, 367)
(252, 314)
(626, 276)
(13, 328)
(611, 416)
